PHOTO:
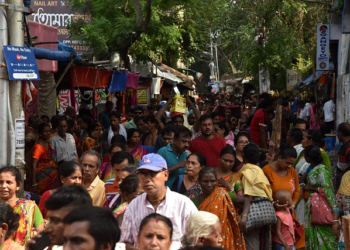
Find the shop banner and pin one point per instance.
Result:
(142, 96)
(21, 63)
(322, 59)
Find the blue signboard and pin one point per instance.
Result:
(21, 63)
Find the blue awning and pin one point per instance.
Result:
(310, 78)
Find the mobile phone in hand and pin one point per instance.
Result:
(41, 243)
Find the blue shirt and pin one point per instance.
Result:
(172, 158)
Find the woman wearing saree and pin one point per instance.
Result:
(133, 144)
(224, 173)
(91, 142)
(45, 173)
(318, 180)
(218, 201)
(187, 184)
(341, 208)
(31, 219)
(282, 176)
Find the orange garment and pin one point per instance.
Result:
(112, 188)
(87, 144)
(220, 204)
(52, 135)
(290, 182)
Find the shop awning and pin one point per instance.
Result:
(310, 78)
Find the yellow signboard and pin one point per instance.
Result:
(142, 96)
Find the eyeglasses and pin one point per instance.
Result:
(138, 113)
(243, 142)
(167, 139)
(150, 174)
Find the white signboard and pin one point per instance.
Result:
(322, 59)
(264, 81)
(20, 133)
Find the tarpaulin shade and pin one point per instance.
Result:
(90, 77)
(132, 81)
(117, 82)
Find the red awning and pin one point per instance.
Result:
(45, 33)
(86, 77)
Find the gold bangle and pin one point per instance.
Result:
(244, 215)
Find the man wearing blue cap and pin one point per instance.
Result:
(153, 173)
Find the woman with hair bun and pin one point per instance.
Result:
(8, 225)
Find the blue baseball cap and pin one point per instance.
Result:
(153, 162)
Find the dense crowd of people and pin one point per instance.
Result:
(154, 179)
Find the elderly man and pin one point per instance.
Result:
(90, 161)
(153, 173)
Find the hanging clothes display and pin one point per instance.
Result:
(132, 81)
(117, 82)
(90, 77)
(155, 88)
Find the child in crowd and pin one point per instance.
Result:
(284, 239)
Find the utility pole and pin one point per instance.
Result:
(217, 61)
(16, 38)
(4, 88)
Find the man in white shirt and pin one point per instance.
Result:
(329, 115)
(304, 110)
(153, 173)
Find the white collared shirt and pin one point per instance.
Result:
(175, 206)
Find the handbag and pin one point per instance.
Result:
(321, 212)
(261, 213)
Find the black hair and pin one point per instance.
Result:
(119, 157)
(54, 121)
(67, 168)
(204, 118)
(213, 115)
(130, 110)
(45, 117)
(222, 125)
(266, 102)
(9, 217)
(151, 119)
(137, 118)
(32, 119)
(240, 134)
(14, 171)
(103, 226)
(87, 120)
(116, 114)
(109, 103)
(315, 136)
(206, 170)
(235, 116)
(92, 127)
(62, 118)
(131, 132)
(68, 196)
(297, 135)
(287, 151)
(228, 150)
(201, 158)
(314, 153)
(151, 107)
(118, 139)
(185, 132)
(130, 184)
(181, 116)
(251, 153)
(344, 128)
(42, 126)
(157, 217)
(300, 121)
(70, 123)
(118, 144)
(138, 108)
(168, 129)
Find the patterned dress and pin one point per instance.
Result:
(320, 236)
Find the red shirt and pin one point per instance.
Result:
(209, 148)
(260, 119)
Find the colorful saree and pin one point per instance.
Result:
(220, 204)
(25, 231)
(235, 182)
(320, 236)
(121, 209)
(11, 245)
(138, 152)
(194, 191)
(89, 143)
(46, 169)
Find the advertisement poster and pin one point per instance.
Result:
(142, 96)
(322, 57)
(58, 14)
(21, 63)
(20, 126)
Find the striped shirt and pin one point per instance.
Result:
(175, 206)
